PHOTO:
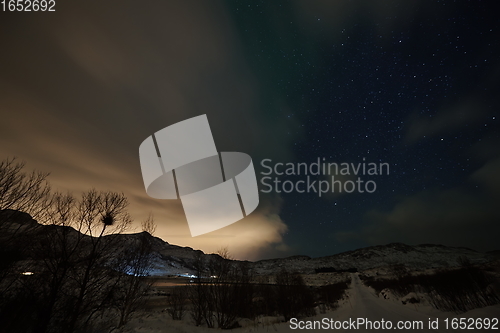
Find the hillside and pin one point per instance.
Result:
(414, 257)
(171, 259)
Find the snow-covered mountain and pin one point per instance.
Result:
(414, 257)
(171, 259)
(167, 259)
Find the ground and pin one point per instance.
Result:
(362, 302)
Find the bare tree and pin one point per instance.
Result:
(149, 225)
(136, 261)
(222, 296)
(98, 215)
(293, 297)
(212, 294)
(198, 293)
(71, 253)
(22, 191)
(75, 247)
(177, 303)
(243, 290)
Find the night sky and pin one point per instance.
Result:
(414, 84)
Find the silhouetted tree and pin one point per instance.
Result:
(293, 297)
(198, 293)
(136, 261)
(20, 192)
(75, 250)
(177, 303)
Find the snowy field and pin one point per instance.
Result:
(362, 302)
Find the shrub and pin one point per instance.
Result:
(457, 290)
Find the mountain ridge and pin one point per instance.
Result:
(170, 259)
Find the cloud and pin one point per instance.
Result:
(464, 113)
(463, 216)
(328, 19)
(258, 235)
(489, 176)
(81, 91)
(446, 120)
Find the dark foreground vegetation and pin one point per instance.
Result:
(456, 290)
(63, 268)
(223, 292)
(65, 275)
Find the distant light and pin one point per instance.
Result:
(27, 273)
(192, 276)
